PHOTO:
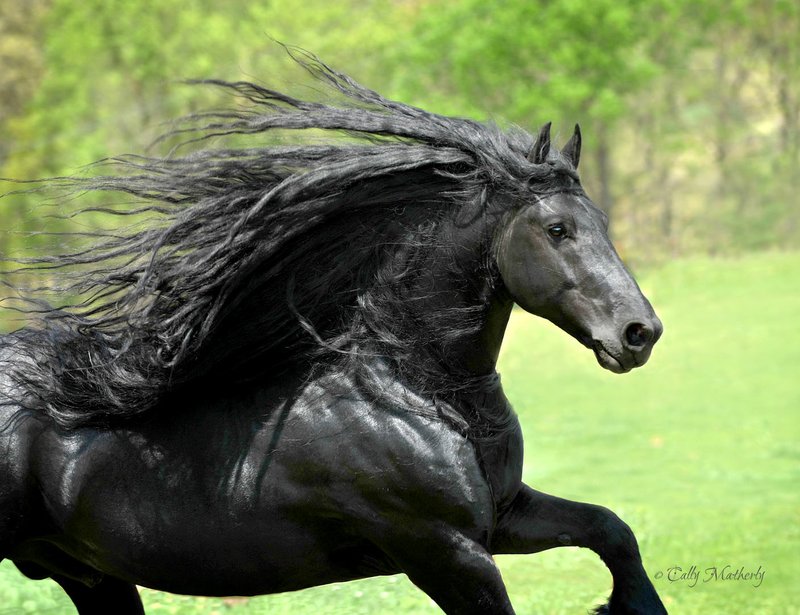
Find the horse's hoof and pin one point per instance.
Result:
(603, 609)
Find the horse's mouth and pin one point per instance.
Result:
(607, 360)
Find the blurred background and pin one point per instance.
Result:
(690, 112)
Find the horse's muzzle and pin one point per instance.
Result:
(632, 348)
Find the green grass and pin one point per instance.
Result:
(698, 452)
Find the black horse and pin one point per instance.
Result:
(286, 377)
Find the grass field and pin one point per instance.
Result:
(699, 452)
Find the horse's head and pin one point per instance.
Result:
(557, 262)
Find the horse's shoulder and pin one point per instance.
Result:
(393, 448)
(388, 415)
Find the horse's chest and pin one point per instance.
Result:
(501, 460)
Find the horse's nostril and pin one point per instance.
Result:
(638, 335)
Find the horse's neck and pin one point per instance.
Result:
(462, 285)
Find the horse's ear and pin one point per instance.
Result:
(572, 150)
(541, 148)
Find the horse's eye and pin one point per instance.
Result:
(557, 231)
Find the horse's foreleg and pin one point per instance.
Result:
(536, 521)
(456, 572)
(110, 595)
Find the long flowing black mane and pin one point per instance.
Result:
(264, 256)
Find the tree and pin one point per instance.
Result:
(535, 61)
(21, 61)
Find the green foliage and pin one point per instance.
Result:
(20, 56)
(691, 111)
(110, 82)
(532, 61)
(697, 451)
